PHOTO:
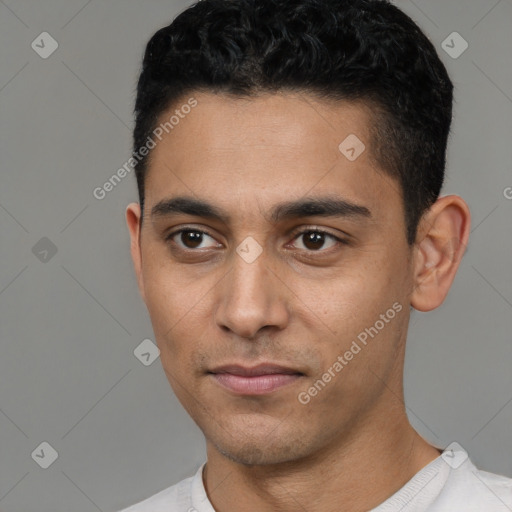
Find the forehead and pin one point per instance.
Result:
(265, 149)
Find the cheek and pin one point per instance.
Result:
(167, 305)
(355, 307)
(356, 293)
(168, 295)
(180, 311)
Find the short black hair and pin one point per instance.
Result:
(354, 50)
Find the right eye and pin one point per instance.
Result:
(190, 239)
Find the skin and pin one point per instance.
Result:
(298, 304)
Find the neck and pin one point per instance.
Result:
(356, 473)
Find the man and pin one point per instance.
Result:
(289, 161)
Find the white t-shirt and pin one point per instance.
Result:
(438, 487)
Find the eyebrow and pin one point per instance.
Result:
(304, 207)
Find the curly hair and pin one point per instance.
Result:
(353, 50)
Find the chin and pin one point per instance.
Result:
(257, 455)
(262, 450)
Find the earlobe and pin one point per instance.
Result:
(133, 213)
(443, 235)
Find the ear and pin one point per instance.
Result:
(443, 234)
(133, 213)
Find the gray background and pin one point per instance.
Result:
(70, 321)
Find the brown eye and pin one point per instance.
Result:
(190, 239)
(315, 240)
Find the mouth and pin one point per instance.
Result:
(258, 380)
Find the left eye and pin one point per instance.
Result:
(314, 239)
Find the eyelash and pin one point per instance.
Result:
(295, 235)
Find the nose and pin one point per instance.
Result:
(250, 298)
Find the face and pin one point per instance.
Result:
(284, 250)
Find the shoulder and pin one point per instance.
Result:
(474, 490)
(177, 497)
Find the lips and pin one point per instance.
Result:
(261, 369)
(258, 380)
